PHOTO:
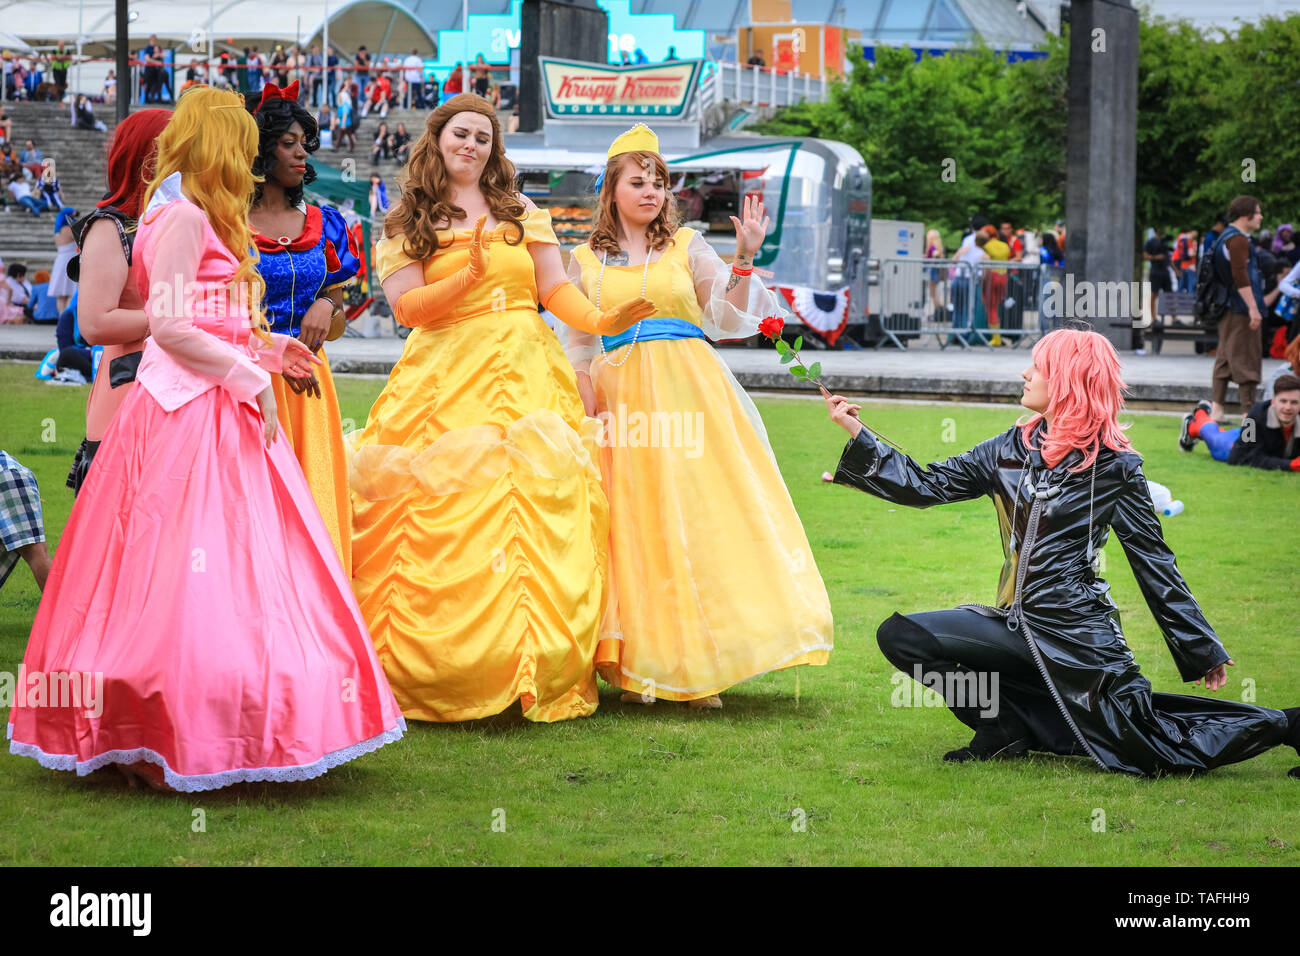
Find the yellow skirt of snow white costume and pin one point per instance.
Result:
(480, 528)
(713, 581)
(313, 429)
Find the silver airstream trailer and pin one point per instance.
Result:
(817, 193)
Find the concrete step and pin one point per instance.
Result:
(80, 160)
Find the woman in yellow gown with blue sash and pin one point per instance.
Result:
(712, 578)
(480, 529)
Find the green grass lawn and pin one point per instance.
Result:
(832, 774)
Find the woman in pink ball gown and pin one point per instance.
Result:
(197, 626)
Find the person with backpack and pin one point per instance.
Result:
(1229, 291)
(1211, 237)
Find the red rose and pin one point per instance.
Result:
(771, 327)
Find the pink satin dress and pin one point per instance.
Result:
(195, 581)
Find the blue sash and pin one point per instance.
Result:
(652, 329)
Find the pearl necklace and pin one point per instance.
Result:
(635, 332)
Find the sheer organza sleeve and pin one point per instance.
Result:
(721, 319)
(580, 347)
(176, 243)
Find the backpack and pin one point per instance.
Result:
(1212, 293)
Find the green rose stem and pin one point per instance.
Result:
(790, 356)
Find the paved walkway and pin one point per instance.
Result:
(1176, 377)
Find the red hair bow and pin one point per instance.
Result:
(272, 92)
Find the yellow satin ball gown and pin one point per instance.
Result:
(713, 581)
(480, 528)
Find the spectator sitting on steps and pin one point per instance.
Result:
(45, 307)
(21, 192)
(382, 147)
(19, 291)
(401, 143)
(10, 168)
(378, 198)
(84, 115)
(31, 156)
(380, 91)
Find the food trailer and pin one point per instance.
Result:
(817, 192)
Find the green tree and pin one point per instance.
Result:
(1176, 115)
(1217, 115)
(946, 137)
(1254, 98)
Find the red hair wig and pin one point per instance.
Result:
(131, 159)
(1084, 396)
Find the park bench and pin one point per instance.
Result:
(1169, 305)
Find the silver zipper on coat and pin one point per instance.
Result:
(1016, 621)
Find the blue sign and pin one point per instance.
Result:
(1012, 56)
(496, 35)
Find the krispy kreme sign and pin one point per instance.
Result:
(574, 88)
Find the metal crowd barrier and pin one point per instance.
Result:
(987, 304)
(768, 86)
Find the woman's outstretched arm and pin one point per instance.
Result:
(877, 469)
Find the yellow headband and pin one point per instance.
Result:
(639, 138)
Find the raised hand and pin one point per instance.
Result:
(752, 227)
(478, 249)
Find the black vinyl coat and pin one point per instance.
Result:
(1051, 594)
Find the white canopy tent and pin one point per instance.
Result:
(384, 27)
(12, 43)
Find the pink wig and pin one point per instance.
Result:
(1084, 396)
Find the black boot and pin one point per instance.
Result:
(991, 742)
(1293, 726)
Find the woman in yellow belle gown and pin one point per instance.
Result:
(713, 580)
(480, 529)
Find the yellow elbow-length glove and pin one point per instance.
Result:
(574, 309)
(417, 308)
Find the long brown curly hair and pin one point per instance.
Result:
(426, 203)
(659, 233)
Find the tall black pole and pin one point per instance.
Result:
(123, 62)
(577, 29)
(1101, 153)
